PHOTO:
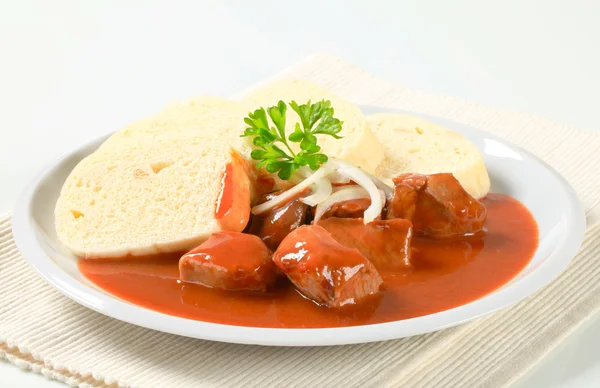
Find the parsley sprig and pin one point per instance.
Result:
(315, 119)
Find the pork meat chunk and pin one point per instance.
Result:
(436, 204)
(386, 243)
(275, 224)
(324, 270)
(230, 261)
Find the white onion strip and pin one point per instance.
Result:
(361, 178)
(338, 188)
(344, 194)
(321, 190)
(387, 190)
(301, 174)
(291, 193)
(337, 178)
(324, 195)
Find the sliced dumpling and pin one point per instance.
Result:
(147, 198)
(209, 117)
(414, 145)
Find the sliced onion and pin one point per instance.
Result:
(338, 188)
(381, 185)
(321, 190)
(387, 190)
(337, 178)
(301, 174)
(344, 194)
(322, 172)
(361, 178)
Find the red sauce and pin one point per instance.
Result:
(445, 274)
(232, 208)
(225, 202)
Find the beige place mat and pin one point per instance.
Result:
(48, 333)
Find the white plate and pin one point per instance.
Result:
(513, 171)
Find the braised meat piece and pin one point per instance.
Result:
(386, 243)
(354, 208)
(324, 270)
(407, 188)
(274, 225)
(229, 261)
(436, 204)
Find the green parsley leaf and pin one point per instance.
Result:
(308, 142)
(287, 170)
(329, 126)
(315, 119)
(277, 114)
(258, 154)
(315, 160)
(297, 135)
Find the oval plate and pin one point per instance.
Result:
(513, 171)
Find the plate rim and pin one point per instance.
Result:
(25, 240)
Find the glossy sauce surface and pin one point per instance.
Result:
(445, 274)
(232, 208)
(223, 205)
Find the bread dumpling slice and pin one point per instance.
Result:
(358, 146)
(419, 146)
(211, 117)
(147, 198)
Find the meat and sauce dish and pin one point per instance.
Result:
(305, 239)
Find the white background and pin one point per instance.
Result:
(71, 70)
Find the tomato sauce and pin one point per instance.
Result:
(444, 274)
(225, 201)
